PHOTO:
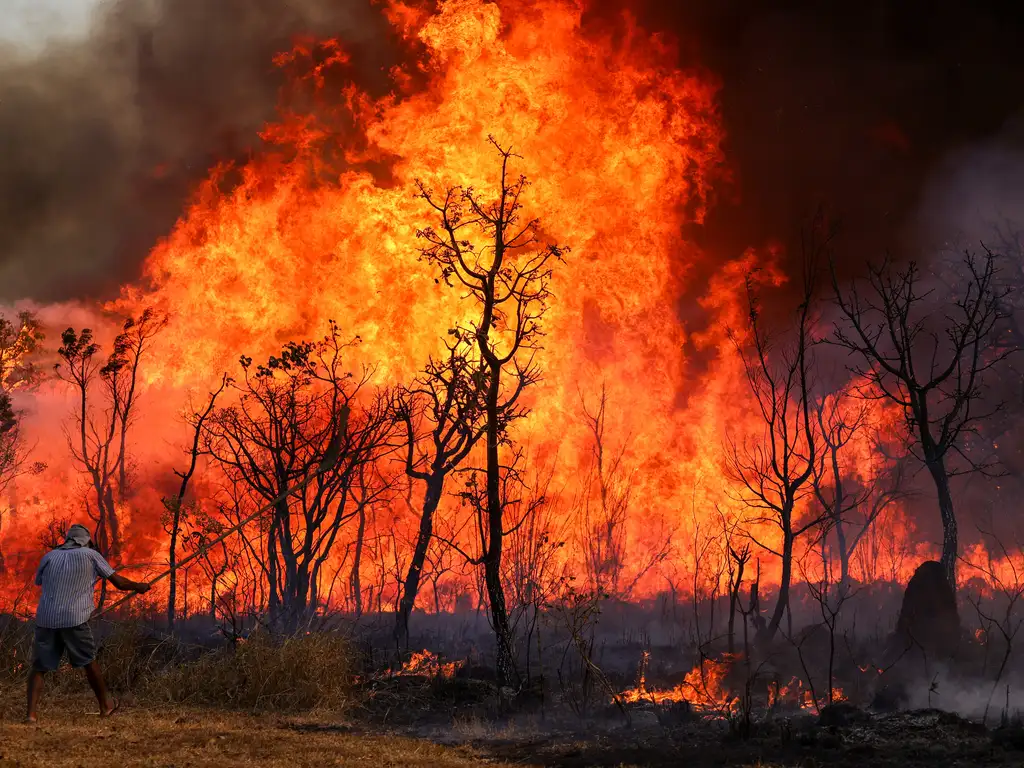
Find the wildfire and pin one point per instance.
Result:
(622, 149)
(796, 694)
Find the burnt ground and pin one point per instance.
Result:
(464, 713)
(920, 738)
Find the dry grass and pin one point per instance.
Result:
(71, 734)
(307, 672)
(301, 673)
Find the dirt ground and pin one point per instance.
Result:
(71, 733)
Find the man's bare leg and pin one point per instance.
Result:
(99, 687)
(35, 690)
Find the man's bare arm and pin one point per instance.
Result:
(127, 585)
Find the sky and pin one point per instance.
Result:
(31, 22)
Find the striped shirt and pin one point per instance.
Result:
(68, 578)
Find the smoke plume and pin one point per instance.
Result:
(104, 136)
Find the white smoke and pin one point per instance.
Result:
(978, 699)
(34, 23)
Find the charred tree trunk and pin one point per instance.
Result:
(837, 516)
(782, 605)
(950, 545)
(355, 585)
(844, 557)
(735, 585)
(172, 564)
(411, 586)
(495, 542)
(112, 526)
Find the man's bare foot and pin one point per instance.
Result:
(31, 720)
(111, 709)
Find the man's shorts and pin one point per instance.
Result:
(52, 644)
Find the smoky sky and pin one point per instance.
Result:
(849, 105)
(866, 110)
(103, 137)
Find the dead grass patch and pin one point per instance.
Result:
(71, 735)
(306, 672)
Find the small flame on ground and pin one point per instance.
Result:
(426, 663)
(706, 690)
(703, 687)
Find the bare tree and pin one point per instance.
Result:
(532, 573)
(773, 470)
(174, 506)
(442, 560)
(447, 398)
(737, 563)
(929, 362)
(605, 503)
(709, 562)
(852, 504)
(603, 538)
(291, 413)
(370, 489)
(98, 434)
(998, 600)
(487, 249)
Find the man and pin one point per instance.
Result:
(68, 576)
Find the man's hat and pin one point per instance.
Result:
(78, 534)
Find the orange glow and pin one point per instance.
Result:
(623, 150)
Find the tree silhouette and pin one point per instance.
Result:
(487, 249)
(930, 362)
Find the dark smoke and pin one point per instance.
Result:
(102, 138)
(851, 107)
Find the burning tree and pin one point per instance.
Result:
(931, 365)
(290, 413)
(773, 471)
(488, 250)
(447, 397)
(98, 434)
